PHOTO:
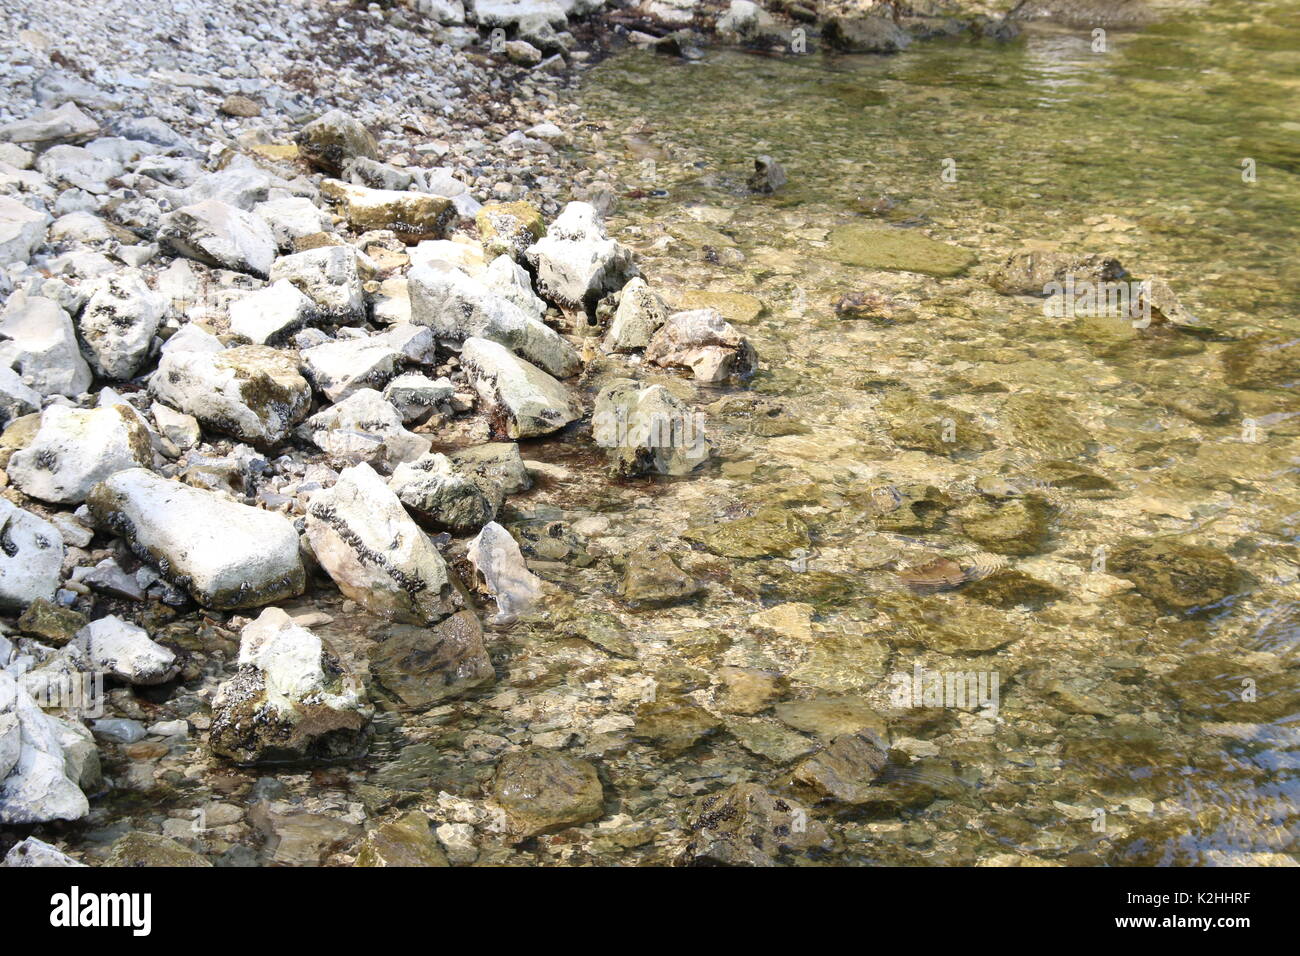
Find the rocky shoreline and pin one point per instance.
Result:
(291, 317)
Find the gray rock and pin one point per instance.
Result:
(292, 218)
(119, 322)
(22, 231)
(364, 427)
(645, 430)
(496, 557)
(74, 449)
(252, 392)
(367, 543)
(330, 141)
(344, 367)
(16, 398)
(413, 395)
(422, 666)
(225, 554)
(31, 560)
(330, 277)
(34, 852)
(219, 234)
(64, 124)
(768, 176)
(576, 262)
(458, 307)
(269, 315)
(638, 317)
(523, 400)
(38, 341)
(36, 785)
(434, 491)
(498, 461)
(122, 650)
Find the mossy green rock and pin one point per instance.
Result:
(138, 848)
(55, 625)
(897, 250)
(674, 726)
(1265, 361)
(946, 623)
(771, 531)
(407, 841)
(1175, 575)
(652, 579)
(1020, 526)
(542, 791)
(923, 425)
(736, 307)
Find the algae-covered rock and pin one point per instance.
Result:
(769, 532)
(830, 717)
(748, 690)
(1020, 526)
(844, 770)
(653, 579)
(674, 725)
(509, 228)
(1173, 574)
(946, 623)
(406, 841)
(422, 666)
(918, 423)
(747, 825)
(1011, 587)
(52, 623)
(1264, 361)
(137, 848)
(734, 306)
(1034, 272)
(542, 791)
(898, 250)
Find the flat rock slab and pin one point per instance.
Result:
(896, 250)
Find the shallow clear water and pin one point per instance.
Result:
(1128, 730)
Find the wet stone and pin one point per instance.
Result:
(407, 841)
(746, 825)
(652, 579)
(138, 848)
(542, 791)
(422, 666)
(1018, 527)
(674, 726)
(1183, 577)
(770, 531)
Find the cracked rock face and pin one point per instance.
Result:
(75, 449)
(290, 700)
(252, 392)
(225, 554)
(524, 400)
(31, 555)
(576, 262)
(375, 552)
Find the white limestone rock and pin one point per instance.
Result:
(292, 218)
(225, 554)
(38, 341)
(576, 262)
(119, 322)
(368, 544)
(291, 698)
(22, 231)
(76, 448)
(31, 560)
(38, 785)
(219, 234)
(524, 401)
(638, 317)
(415, 395)
(33, 852)
(330, 277)
(252, 392)
(180, 429)
(345, 366)
(458, 307)
(16, 397)
(65, 124)
(364, 427)
(497, 559)
(123, 650)
(706, 343)
(269, 315)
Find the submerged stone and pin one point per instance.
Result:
(770, 531)
(542, 791)
(897, 250)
